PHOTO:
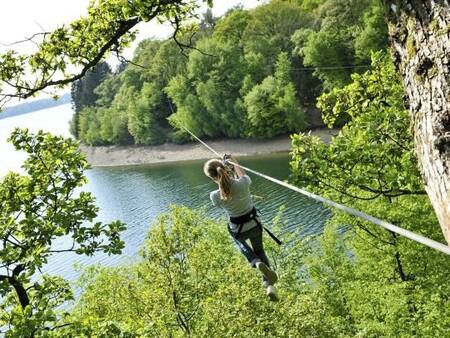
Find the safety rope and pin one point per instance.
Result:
(391, 227)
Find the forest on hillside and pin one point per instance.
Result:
(251, 73)
(29, 107)
(363, 281)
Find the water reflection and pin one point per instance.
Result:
(136, 195)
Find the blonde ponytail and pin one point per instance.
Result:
(215, 169)
(224, 183)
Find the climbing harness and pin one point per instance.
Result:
(251, 216)
(391, 227)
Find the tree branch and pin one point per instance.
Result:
(121, 58)
(124, 27)
(64, 250)
(30, 39)
(181, 45)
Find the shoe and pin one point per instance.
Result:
(271, 275)
(272, 293)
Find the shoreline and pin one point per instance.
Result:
(111, 156)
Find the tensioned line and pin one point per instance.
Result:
(389, 226)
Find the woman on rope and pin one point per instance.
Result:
(244, 225)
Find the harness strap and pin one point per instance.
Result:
(273, 236)
(240, 229)
(252, 215)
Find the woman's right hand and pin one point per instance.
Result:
(232, 158)
(229, 157)
(239, 171)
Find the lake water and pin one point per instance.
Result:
(137, 194)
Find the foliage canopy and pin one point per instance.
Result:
(227, 85)
(39, 207)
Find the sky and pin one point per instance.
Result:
(20, 19)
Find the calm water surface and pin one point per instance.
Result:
(136, 195)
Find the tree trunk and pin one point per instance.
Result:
(21, 292)
(420, 36)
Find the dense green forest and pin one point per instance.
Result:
(361, 282)
(251, 73)
(354, 280)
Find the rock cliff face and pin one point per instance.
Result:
(420, 37)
